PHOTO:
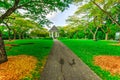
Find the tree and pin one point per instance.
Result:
(20, 29)
(74, 20)
(3, 56)
(107, 7)
(92, 9)
(36, 9)
(39, 33)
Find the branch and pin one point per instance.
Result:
(108, 14)
(90, 31)
(102, 29)
(95, 21)
(96, 30)
(9, 11)
(7, 25)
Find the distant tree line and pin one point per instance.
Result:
(80, 32)
(17, 27)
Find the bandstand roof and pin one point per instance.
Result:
(53, 29)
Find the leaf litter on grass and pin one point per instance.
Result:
(17, 67)
(115, 44)
(109, 63)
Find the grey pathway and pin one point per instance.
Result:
(63, 64)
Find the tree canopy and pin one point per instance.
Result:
(35, 9)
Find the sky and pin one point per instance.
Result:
(59, 18)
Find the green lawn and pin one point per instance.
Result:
(33, 47)
(87, 49)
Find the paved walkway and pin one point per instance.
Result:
(63, 64)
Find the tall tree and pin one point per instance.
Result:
(92, 10)
(106, 6)
(37, 9)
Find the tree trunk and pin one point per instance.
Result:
(9, 29)
(94, 36)
(85, 36)
(9, 35)
(23, 36)
(20, 36)
(26, 36)
(106, 36)
(10, 11)
(14, 34)
(3, 55)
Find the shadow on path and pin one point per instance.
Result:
(63, 64)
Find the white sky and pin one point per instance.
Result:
(59, 18)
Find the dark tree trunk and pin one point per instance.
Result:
(3, 55)
(27, 36)
(23, 37)
(14, 36)
(9, 35)
(9, 29)
(10, 11)
(14, 33)
(20, 36)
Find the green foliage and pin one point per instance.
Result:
(100, 35)
(74, 21)
(79, 35)
(19, 26)
(98, 14)
(71, 32)
(35, 9)
(39, 32)
(81, 32)
(87, 49)
(5, 3)
(33, 47)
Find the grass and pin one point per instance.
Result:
(87, 49)
(34, 47)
